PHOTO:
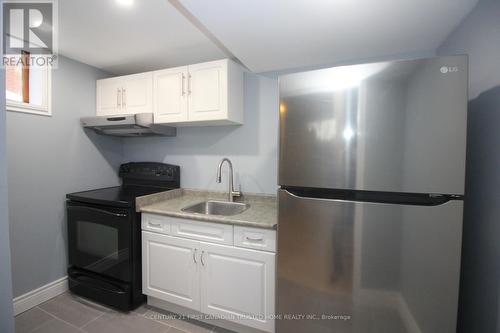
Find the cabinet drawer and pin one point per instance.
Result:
(155, 223)
(205, 231)
(255, 238)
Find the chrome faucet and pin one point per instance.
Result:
(231, 192)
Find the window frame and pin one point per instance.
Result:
(15, 106)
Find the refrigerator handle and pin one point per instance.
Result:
(302, 197)
(312, 197)
(419, 199)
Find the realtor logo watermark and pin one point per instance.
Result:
(29, 33)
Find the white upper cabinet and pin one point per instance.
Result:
(170, 100)
(128, 94)
(108, 97)
(209, 93)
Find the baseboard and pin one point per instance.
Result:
(38, 296)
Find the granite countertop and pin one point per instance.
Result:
(261, 213)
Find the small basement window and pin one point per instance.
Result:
(28, 88)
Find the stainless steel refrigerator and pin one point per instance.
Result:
(371, 175)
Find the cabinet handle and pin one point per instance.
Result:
(124, 97)
(96, 210)
(118, 97)
(194, 256)
(201, 258)
(154, 225)
(254, 239)
(183, 90)
(189, 84)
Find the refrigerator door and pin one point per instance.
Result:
(360, 267)
(395, 127)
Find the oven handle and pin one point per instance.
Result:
(97, 210)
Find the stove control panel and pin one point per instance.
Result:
(150, 171)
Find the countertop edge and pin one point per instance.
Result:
(149, 204)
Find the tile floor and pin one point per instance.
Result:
(71, 314)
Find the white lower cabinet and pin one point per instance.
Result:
(169, 269)
(227, 282)
(238, 285)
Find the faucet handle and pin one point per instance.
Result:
(236, 193)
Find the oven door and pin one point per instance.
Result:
(100, 240)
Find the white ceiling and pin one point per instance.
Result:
(151, 34)
(265, 35)
(269, 35)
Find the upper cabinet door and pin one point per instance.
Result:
(137, 94)
(170, 98)
(207, 89)
(108, 97)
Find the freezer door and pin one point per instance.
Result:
(396, 127)
(357, 267)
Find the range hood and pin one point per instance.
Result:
(130, 125)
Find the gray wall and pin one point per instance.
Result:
(6, 319)
(49, 157)
(6, 322)
(481, 247)
(479, 37)
(252, 147)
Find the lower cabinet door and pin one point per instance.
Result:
(169, 269)
(238, 285)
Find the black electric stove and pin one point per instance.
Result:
(104, 235)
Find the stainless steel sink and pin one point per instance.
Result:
(213, 207)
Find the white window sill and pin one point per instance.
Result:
(26, 108)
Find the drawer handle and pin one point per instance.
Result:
(251, 239)
(194, 256)
(154, 225)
